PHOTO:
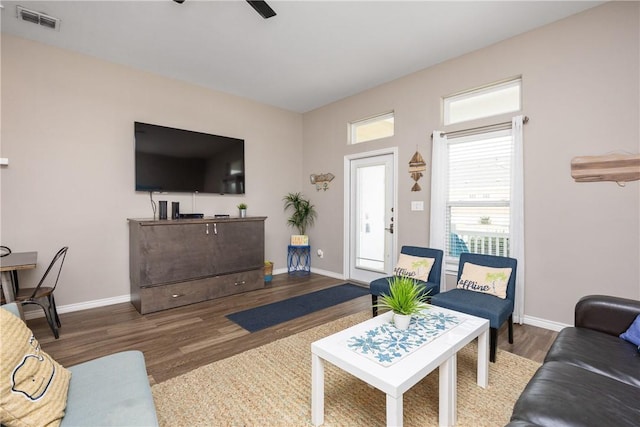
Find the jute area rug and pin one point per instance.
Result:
(271, 386)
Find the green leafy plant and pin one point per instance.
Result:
(405, 296)
(242, 206)
(304, 213)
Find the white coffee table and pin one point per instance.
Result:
(396, 379)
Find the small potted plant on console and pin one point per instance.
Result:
(406, 298)
(242, 209)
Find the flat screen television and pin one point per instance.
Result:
(182, 161)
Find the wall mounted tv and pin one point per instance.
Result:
(182, 161)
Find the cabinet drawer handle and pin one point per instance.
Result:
(240, 283)
(207, 232)
(177, 295)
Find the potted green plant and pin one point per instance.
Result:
(242, 208)
(303, 213)
(406, 298)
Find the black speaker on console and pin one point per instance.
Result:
(163, 209)
(175, 210)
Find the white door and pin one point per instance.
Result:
(371, 216)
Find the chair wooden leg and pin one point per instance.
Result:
(374, 308)
(511, 329)
(493, 344)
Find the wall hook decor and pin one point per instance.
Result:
(416, 166)
(619, 168)
(321, 181)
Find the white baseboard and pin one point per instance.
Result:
(328, 273)
(69, 308)
(313, 270)
(545, 324)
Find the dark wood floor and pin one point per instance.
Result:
(178, 340)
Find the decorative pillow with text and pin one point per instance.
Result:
(414, 266)
(488, 280)
(33, 386)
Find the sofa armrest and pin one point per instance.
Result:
(608, 314)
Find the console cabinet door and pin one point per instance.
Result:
(238, 246)
(175, 253)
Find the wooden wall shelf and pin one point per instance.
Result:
(610, 167)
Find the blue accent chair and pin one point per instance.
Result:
(432, 285)
(496, 310)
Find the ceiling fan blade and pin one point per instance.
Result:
(262, 8)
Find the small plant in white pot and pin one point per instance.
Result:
(406, 298)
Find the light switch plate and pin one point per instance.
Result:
(417, 205)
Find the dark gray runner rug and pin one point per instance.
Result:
(272, 314)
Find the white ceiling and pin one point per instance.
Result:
(309, 55)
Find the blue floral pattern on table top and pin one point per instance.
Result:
(387, 344)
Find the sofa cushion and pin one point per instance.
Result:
(597, 352)
(33, 386)
(488, 280)
(560, 394)
(111, 391)
(414, 267)
(633, 333)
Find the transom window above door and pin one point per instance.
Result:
(371, 128)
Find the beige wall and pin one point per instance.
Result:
(67, 129)
(581, 92)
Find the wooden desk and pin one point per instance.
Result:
(12, 262)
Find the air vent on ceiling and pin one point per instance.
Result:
(38, 18)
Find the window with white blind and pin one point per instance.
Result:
(478, 193)
(477, 196)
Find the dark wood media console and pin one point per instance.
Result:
(179, 262)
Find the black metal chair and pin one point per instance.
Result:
(42, 295)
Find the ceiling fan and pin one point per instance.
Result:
(260, 6)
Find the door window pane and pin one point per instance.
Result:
(370, 240)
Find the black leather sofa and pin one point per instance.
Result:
(590, 376)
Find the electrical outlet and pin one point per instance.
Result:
(320, 253)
